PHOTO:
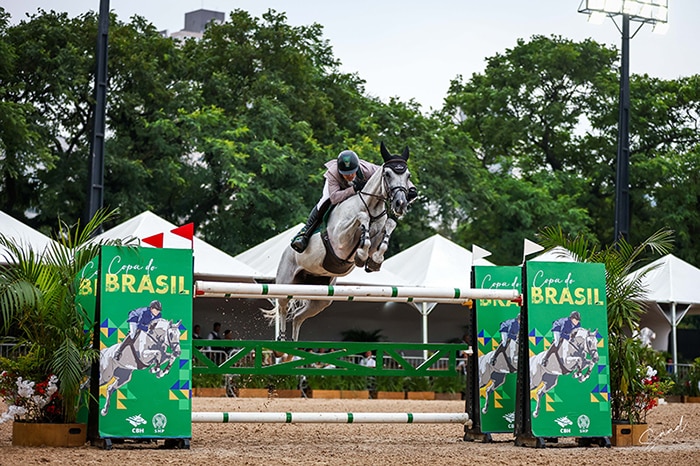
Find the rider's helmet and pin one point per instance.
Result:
(155, 304)
(575, 315)
(348, 162)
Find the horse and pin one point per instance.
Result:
(496, 373)
(582, 354)
(149, 351)
(358, 231)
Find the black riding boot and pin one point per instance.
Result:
(301, 240)
(499, 350)
(551, 350)
(126, 341)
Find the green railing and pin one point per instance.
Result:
(322, 358)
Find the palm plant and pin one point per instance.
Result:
(624, 295)
(38, 291)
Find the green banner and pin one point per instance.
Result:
(497, 326)
(145, 301)
(86, 299)
(568, 347)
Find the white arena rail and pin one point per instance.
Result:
(350, 293)
(331, 418)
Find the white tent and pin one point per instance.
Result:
(23, 234)
(210, 263)
(433, 262)
(266, 256)
(671, 282)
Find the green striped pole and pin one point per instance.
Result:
(331, 418)
(351, 293)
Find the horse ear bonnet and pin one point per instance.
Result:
(397, 165)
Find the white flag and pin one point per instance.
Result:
(479, 253)
(530, 247)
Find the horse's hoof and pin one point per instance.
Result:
(359, 262)
(372, 266)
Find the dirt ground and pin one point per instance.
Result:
(674, 440)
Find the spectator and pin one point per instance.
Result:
(196, 330)
(214, 334)
(368, 360)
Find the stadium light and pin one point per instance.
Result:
(654, 12)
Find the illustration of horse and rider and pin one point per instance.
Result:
(151, 342)
(495, 365)
(574, 350)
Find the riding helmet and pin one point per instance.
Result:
(348, 162)
(155, 304)
(575, 315)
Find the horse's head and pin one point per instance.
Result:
(591, 343)
(395, 177)
(173, 337)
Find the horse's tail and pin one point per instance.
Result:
(293, 306)
(271, 314)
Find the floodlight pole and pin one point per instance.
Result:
(97, 146)
(622, 188)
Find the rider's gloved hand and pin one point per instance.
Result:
(358, 184)
(412, 193)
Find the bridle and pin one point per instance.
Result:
(398, 166)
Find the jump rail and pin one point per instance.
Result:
(409, 294)
(332, 418)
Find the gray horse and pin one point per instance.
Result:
(358, 230)
(149, 351)
(496, 373)
(582, 354)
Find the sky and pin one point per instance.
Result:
(412, 49)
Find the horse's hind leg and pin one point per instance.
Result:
(311, 309)
(281, 307)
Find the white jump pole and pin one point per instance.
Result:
(332, 418)
(350, 293)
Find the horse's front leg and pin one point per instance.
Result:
(377, 259)
(164, 372)
(364, 244)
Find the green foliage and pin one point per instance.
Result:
(363, 335)
(417, 384)
(455, 384)
(389, 384)
(207, 381)
(241, 122)
(38, 291)
(693, 381)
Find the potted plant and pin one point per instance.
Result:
(418, 388)
(624, 293)
(38, 291)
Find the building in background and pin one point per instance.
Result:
(195, 24)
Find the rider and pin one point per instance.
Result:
(509, 333)
(344, 176)
(139, 319)
(561, 329)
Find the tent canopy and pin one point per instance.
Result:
(671, 280)
(210, 263)
(22, 234)
(435, 262)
